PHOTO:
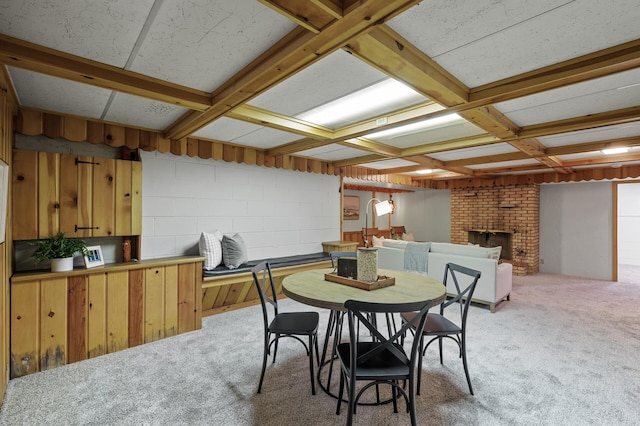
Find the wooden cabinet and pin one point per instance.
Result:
(78, 195)
(60, 318)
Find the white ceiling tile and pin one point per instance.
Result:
(456, 130)
(504, 38)
(387, 164)
(514, 163)
(56, 94)
(609, 93)
(328, 79)
(477, 151)
(136, 111)
(201, 44)
(592, 135)
(226, 129)
(101, 30)
(265, 138)
(332, 152)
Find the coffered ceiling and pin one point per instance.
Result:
(540, 87)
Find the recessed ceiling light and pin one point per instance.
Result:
(425, 171)
(612, 151)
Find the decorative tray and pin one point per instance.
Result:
(383, 281)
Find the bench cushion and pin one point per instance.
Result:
(276, 262)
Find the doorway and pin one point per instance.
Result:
(626, 220)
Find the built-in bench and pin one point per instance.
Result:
(225, 289)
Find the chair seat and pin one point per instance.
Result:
(436, 324)
(295, 323)
(383, 365)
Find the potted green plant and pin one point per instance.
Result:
(59, 250)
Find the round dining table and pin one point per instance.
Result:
(311, 288)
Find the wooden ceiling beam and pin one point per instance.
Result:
(25, 55)
(294, 52)
(587, 67)
(273, 120)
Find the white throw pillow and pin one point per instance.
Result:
(211, 248)
(407, 237)
(494, 252)
(378, 242)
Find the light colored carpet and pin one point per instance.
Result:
(563, 351)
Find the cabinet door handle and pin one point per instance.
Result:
(77, 228)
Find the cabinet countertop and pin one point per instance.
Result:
(111, 267)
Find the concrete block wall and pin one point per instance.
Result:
(277, 212)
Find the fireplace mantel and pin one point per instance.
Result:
(492, 231)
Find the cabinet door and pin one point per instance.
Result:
(25, 328)
(136, 198)
(48, 194)
(68, 195)
(84, 217)
(53, 323)
(103, 202)
(25, 195)
(123, 198)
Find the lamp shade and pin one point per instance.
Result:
(383, 207)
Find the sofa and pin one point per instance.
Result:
(431, 258)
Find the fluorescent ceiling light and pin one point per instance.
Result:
(416, 127)
(615, 151)
(424, 172)
(372, 98)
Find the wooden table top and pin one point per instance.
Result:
(310, 288)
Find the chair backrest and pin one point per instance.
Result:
(390, 339)
(397, 230)
(465, 281)
(335, 255)
(263, 280)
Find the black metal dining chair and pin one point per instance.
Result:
(378, 356)
(278, 325)
(438, 327)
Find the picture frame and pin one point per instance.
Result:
(94, 257)
(351, 207)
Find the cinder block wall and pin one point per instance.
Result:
(514, 208)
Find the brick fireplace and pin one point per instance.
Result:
(502, 215)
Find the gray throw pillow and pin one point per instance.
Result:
(234, 251)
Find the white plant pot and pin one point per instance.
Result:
(62, 265)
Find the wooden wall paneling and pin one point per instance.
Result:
(123, 198)
(192, 147)
(25, 328)
(74, 129)
(170, 300)
(217, 151)
(53, 323)
(221, 296)
(103, 202)
(25, 195)
(209, 296)
(205, 149)
(68, 195)
(179, 147)
(164, 145)
(186, 297)
(117, 311)
(136, 307)
(29, 122)
(52, 125)
(148, 141)
(250, 156)
(136, 198)
(198, 294)
(233, 296)
(48, 194)
(97, 315)
(95, 132)
(77, 318)
(114, 135)
(131, 138)
(84, 199)
(154, 292)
